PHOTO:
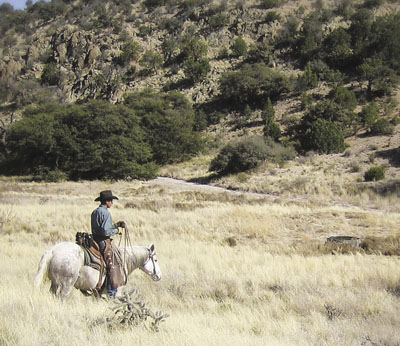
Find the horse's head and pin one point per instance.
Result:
(150, 265)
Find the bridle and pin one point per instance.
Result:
(151, 258)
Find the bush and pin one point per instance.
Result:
(240, 156)
(239, 47)
(271, 128)
(271, 3)
(168, 120)
(195, 71)
(251, 85)
(374, 174)
(323, 136)
(50, 74)
(97, 140)
(129, 52)
(248, 153)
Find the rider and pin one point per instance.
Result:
(102, 230)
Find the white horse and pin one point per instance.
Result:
(64, 266)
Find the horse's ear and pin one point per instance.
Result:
(152, 248)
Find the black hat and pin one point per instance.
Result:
(105, 196)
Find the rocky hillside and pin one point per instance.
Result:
(333, 59)
(102, 49)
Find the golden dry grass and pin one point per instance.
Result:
(275, 284)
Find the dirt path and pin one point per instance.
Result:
(182, 185)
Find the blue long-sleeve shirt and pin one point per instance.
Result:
(102, 225)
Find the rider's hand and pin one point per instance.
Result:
(121, 224)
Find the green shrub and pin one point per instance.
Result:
(323, 136)
(248, 153)
(219, 20)
(96, 140)
(151, 60)
(374, 174)
(129, 52)
(252, 85)
(195, 71)
(168, 120)
(240, 156)
(271, 128)
(239, 47)
(271, 3)
(50, 74)
(308, 80)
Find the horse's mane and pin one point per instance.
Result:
(136, 255)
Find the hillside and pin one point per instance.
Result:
(305, 56)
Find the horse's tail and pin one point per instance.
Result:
(43, 267)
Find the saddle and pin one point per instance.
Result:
(92, 255)
(112, 260)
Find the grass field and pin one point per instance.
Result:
(238, 269)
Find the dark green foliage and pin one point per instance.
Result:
(94, 141)
(374, 174)
(151, 4)
(380, 78)
(219, 20)
(196, 70)
(271, 3)
(344, 97)
(376, 125)
(271, 128)
(308, 44)
(194, 48)
(152, 60)
(169, 50)
(248, 153)
(337, 49)
(239, 47)
(323, 136)
(129, 52)
(330, 111)
(168, 120)
(308, 80)
(50, 74)
(252, 85)
(240, 156)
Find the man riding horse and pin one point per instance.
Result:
(102, 230)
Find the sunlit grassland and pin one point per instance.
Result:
(278, 285)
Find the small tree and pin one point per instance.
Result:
(196, 70)
(239, 47)
(324, 137)
(152, 60)
(271, 128)
(374, 174)
(129, 52)
(50, 74)
(309, 79)
(240, 156)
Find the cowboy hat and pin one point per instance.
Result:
(105, 196)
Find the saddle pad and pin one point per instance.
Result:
(91, 259)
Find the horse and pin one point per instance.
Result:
(64, 266)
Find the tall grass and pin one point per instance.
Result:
(276, 286)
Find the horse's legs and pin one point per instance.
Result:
(54, 288)
(66, 289)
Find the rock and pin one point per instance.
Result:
(343, 239)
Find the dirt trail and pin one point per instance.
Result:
(182, 185)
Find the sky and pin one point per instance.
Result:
(17, 4)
